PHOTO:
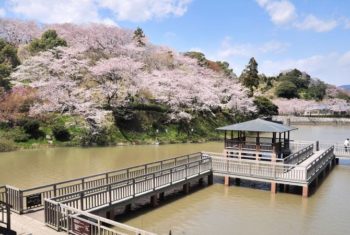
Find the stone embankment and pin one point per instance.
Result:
(294, 120)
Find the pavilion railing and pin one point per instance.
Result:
(250, 145)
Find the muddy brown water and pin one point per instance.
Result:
(212, 210)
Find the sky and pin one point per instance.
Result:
(311, 35)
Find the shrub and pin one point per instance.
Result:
(100, 137)
(7, 145)
(265, 107)
(17, 134)
(48, 40)
(287, 89)
(61, 133)
(31, 127)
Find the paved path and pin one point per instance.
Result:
(312, 158)
(30, 224)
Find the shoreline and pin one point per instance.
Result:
(296, 120)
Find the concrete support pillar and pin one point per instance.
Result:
(186, 188)
(286, 188)
(200, 182)
(273, 187)
(161, 196)
(127, 208)
(154, 201)
(305, 191)
(316, 182)
(210, 179)
(226, 180)
(336, 161)
(237, 181)
(281, 188)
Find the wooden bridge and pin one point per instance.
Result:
(79, 202)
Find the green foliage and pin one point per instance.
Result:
(17, 134)
(48, 40)
(316, 90)
(225, 67)
(139, 37)
(97, 137)
(32, 128)
(61, 133)
(8, 61)
(265, 106)
(199, 56)
(7, 145)
(286, 89)
(249, 77)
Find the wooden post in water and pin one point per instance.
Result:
(226, 180)
(154, 202)
(305, 191)
(186, 188)
(210, 179)
(273, 187)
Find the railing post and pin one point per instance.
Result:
(110, 194)
(317, 145)
(20, 194)
(133, 187)
(154, 181)
(82, 201)
(171, 176)
(82, 183)
(107, 178)
(8, 216)
(54, 190)
(186, 172)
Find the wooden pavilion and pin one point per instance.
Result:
(258, 139)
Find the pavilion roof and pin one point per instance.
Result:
(258, 125)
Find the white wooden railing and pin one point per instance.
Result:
(300, 155)
(90, 199)
(18, 198)
(67, 218)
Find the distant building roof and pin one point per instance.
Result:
(258, 125)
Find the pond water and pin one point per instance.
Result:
(214, 209)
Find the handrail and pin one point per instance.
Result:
(5, 214)
(92, 199)
(18, 197)
(300, 155)
(108, 172)
(243, 156)
(173, 169)
(259, 169)
(313, 167)
(100, 224)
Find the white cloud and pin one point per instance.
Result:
(84, 11)
(142, 10)
(333, 68)
(2, 12)
(283, 12)
(229, 49)
(77, 11)
(311, 22)
(280, 12)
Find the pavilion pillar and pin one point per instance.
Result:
(225, 139)
(257, 145)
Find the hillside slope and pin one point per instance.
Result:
(110, 80)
